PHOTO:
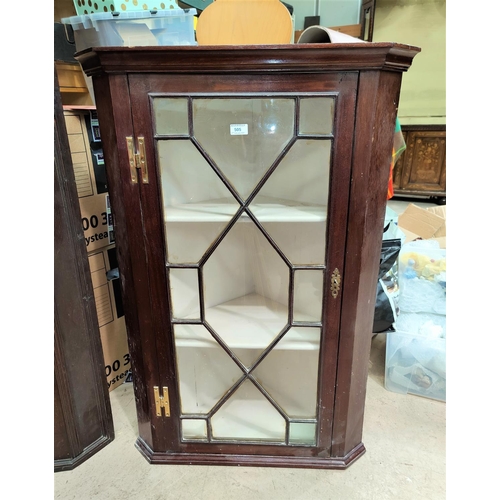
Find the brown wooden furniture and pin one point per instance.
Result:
(244, 22)
(421, 169)
(367, 19)
(74, 90)
(83, 424)
(249, 186)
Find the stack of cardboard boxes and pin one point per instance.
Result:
(86, 153)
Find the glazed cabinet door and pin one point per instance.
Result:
(244, 211)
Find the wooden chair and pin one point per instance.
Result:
(244, 22)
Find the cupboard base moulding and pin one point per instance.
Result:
(249, 460)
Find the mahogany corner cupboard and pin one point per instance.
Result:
(248, 186)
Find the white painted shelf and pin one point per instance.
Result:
(248, 322)
(248, 416)
(266, 209)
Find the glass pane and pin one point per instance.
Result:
(184, 293)
(292, 204)
(316, 116)
(246, 291)
(243, 136)
(289, 373)
(194, 429)
(245, 279)
(171, 116)
(302, 433)
(205, 370)
(308, 295)
(248, 415)
(197, 205)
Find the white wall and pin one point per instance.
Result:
(331, 12)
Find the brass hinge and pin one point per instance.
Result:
(335, 283)
(162, 401)
(137, 161)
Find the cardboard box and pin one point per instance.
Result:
(97, 221)
(90, 176)
(86, 150)
(88, 164)
(115, 350)
(430, 223)
(110, 315)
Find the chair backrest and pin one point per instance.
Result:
(244, 22)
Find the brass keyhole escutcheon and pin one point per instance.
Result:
(335, 283)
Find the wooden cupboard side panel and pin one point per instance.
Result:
(378, 95)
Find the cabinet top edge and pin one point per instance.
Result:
(319, 57)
